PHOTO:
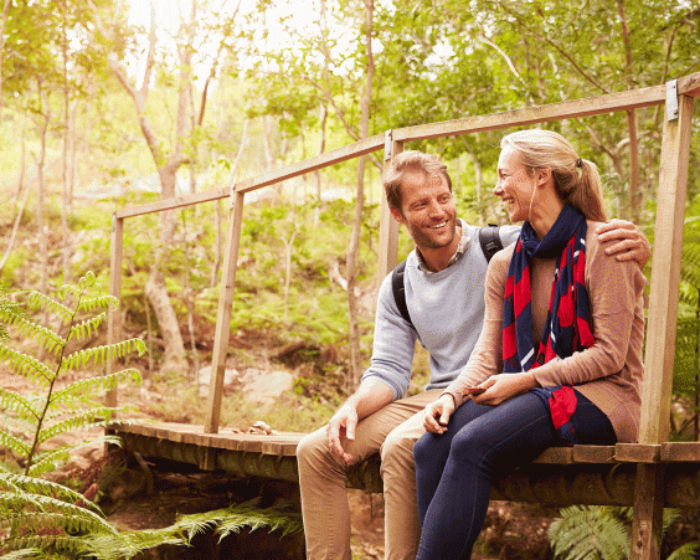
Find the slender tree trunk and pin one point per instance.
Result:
(41, 196)
(3, 23)
(317, 173)
(353, 249)
(65, 207)
(635, 199)
(20, 205)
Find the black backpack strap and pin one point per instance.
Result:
(490, 240)
(399, 291)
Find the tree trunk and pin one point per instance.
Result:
(19, 205)
(41, 195)
(635, 200)
(65, 206)
(353, 249)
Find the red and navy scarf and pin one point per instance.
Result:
(568, 325)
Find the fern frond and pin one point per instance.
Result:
(37, 300)
(50, 460)
(14, 444)
(14, 402)
(97, 302)
(46, 488)
(87, 328)
(95, 385)
(52, 521)
(24, 554)
(81, 420)
(688, 551)
(47, 504)
(25, 365)
(47, 338)
(74, 547)
(588, 533)
(100, 354)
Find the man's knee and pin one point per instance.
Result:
(312, 449)
(398, 449)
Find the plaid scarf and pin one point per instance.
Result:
(568, 327)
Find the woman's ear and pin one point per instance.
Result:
(543, 176)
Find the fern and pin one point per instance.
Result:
(688, 551)
(589, 533)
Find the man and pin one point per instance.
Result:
(444, 287)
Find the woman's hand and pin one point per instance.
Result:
(437, 414)
(503, 386)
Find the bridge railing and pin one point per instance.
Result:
(678, 97)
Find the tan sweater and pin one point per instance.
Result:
(610, 372)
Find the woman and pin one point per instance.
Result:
(564, 323)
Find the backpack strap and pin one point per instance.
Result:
(397, 287)
(490, 240)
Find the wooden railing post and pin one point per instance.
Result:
(115, 289)
(388, 227)
(663, 313)
(223, 315)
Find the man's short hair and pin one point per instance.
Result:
(411, 160)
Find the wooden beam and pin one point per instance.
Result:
(223, 315)
(115, 289)
(270, 178)
(388, 227)
(619, 101)
(665, 277)
(647, 524)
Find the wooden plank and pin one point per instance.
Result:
(115, 289)
(647, 523)
(388, 226)
(174, 203)
(637, 453)
(223, 315)
(594, 454)
(555, 456)
(270, 178)
(665, 278)
(680, 452)
(618, 101)
(345, 153)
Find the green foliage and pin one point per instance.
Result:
(589, 533)
(600, 533)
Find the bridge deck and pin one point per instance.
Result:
(582, 474)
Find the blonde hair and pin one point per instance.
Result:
(576, 180)
(411, 160)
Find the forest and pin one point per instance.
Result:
(108, 104)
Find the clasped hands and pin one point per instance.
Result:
(497, 389)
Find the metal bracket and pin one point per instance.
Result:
(388, 141)
(232, 196)
(672, 100)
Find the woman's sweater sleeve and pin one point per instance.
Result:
(614, 289)
(486, 359)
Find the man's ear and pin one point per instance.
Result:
(397, 215)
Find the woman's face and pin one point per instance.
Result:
(515, 185)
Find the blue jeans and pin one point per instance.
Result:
(454, 470)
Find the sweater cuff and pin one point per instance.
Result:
(458, 402)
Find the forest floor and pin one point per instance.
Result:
(511, 531)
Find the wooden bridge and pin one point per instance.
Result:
(648, 475)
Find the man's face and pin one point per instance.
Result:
(427, 210)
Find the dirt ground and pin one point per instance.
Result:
(134, 503)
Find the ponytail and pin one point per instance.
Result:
(576, 180)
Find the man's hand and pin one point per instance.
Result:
(437, 414)
(342, 427)
(630, 244)
(503, 386)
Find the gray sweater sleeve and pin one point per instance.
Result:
(394, 344)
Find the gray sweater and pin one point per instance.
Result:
(447, 309)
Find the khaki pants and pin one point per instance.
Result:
(392, 431)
